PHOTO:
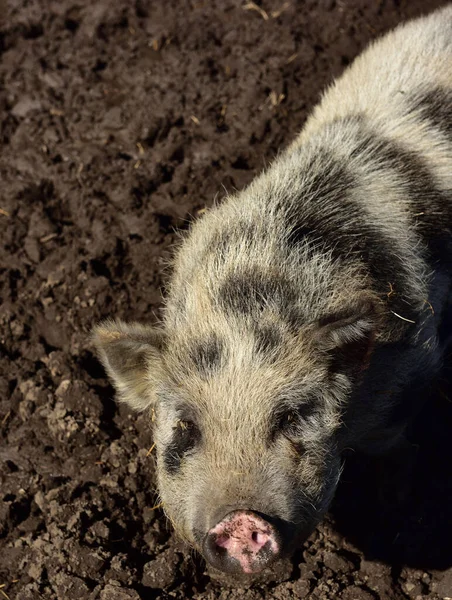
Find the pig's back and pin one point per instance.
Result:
(362, 199)
(399, 81)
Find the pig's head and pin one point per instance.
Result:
(248, 414)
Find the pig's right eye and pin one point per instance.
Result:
(187, 435)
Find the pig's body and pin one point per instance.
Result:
(304, 313)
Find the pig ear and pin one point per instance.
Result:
(350, 333)
(131, 355)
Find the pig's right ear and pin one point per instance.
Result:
(131, 354)
(349, 334)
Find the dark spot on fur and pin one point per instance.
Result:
(333, 220)
(186, 436)
(301, 235)
(431, 207)
(350, 233)
(294, 317)
(207, 354)
(268, 339)
(249, 293)
(172, 459)
(326, 182)
(435, 106)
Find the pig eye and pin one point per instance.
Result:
(291, 421)
(185, 425)
(187, 433)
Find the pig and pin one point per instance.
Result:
(306, 313)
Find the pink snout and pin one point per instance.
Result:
(243, 541)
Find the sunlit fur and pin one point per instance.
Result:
(341, 245)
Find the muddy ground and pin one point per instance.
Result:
(119, 122)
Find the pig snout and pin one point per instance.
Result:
(242, 542)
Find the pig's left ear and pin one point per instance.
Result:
(349, 334)
(131, 355)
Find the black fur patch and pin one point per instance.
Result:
(334, 222)
(249, 293)
(435, 106)
(431, 207)
(268, 339)
(208, 354)
(185, 437)
(302, 235)
(326, 182)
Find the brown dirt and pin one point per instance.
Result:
(119, 122)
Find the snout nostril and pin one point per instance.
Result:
(222, 541)
(215, 547)
(259, 538)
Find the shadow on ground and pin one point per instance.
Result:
(416, 530)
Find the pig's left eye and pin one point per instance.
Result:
(291, 421)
